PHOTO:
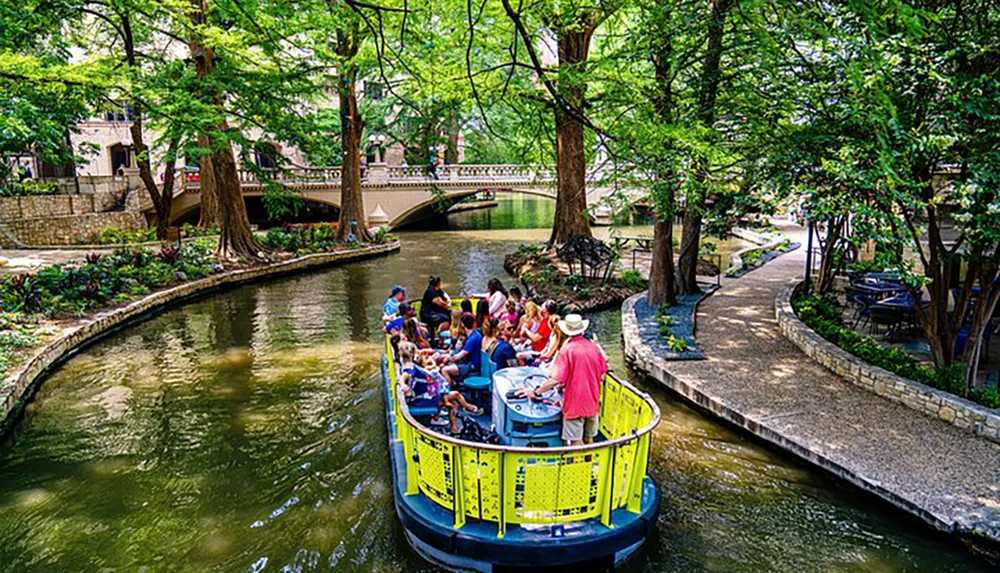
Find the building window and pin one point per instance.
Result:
(264, 160)
(125, 113)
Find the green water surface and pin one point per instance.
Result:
(245, 432)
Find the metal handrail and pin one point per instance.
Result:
(400, 399)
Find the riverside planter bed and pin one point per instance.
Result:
(63, 338)
(545, 278)
(657, 335)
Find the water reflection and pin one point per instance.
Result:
(245, 432)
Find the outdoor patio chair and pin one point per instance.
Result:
(889, 318)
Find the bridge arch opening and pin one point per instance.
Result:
(480, 209)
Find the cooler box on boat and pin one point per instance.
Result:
(521, 422)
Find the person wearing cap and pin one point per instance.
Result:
(578, 369)
(391, 305)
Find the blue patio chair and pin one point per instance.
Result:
(482, 384)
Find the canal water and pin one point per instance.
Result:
(244, 432)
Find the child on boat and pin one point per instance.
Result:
(427, 388)
(511, 315)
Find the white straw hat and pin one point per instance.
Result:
(573, 324)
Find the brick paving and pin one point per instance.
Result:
(759, 380)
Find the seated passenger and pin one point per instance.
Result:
(392, 303)
(542, 359)
(502, 354)
(465, 362)
(435, 307)
(530, 323)
(489, 332)
(511, 315)
(497, 297)
(540, 338)
(424, 388)
(466, 307)
(411, 333)
(519, 300)
(404, 312)
(482, 311)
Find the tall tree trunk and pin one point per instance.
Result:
(687, 261)
(662, 287)
(451, 151)
(162, 199)
(353, 219)
(571, 159)
(236, 239)
(662, 272)
(209, 216)
(708, 92)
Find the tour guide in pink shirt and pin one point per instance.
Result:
(579, 368)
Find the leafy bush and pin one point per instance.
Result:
(302, 239)
(528, 250)
(751, 258)
(381, 236)
(633, 280)
(17, 339)
(74, 289)
(863, 267)
(29, 187)
(191, 231)
(676, 344)
(989, 397)
(824, 316)
(116, 236)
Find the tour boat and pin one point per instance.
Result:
(527, 501)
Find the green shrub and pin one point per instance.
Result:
(750, 258)
(381, 236)
(633, 280)
(75, 289)
(116, 236)
(528, 250)
(825, 317)
(302, 239)
(676, 344)
(865, 267)
(191, 231)
(29, 187)
(989, 397)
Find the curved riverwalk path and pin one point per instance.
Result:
(757, 379)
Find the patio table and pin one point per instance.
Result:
(880, 290)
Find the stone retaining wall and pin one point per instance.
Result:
(19, 385)
(920, 397)
(70, 229)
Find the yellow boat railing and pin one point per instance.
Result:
(516, 485)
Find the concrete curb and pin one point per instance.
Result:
(947, 407)
(19, 386)
(643, 358)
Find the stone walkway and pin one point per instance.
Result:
(757, 379)
(27, 260)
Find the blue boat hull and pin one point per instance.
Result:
(476, 547)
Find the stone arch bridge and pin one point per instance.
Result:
(398, 195)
